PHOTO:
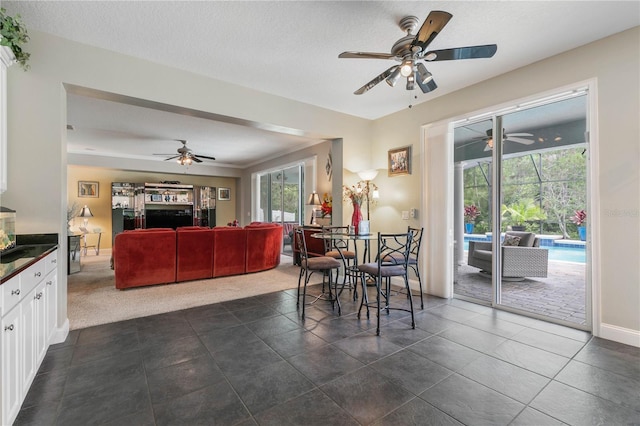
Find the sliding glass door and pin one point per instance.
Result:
(280, 199)
(521, 191)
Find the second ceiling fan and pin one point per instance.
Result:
(185, 155)
(411, 52)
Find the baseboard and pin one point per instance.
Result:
(60, 333)
(620, 334)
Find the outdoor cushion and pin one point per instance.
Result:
(483, 255)
(511, 240)
(527, 239)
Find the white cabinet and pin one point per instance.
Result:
(28, 309)
(12, 351)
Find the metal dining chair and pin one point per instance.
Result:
(414, 256)
(309, 265)
(340, 249)
(398, 247)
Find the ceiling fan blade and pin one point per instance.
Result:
(467, 144)
(196, 159)
(520, 140)
(431, 27)
(428, 86)
(206, 157)
(375, 81)
(470, 52)
(171, 158)
(366, 55)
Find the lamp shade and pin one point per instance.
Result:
(314, 199)
(85, 212)
(368, 174)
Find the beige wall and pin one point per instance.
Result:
(615, 64)
(37, 158)
(37, 169)
(101, 206)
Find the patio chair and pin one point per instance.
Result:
(521, 256)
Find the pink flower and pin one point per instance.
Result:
(471, 212)
(579, 217)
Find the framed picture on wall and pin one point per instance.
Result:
(400, 161)
(224, 194)
(87, 189)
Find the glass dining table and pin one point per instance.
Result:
(352, 270)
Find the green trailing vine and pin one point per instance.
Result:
(14, 36)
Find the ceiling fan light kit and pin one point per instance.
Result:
(411, 50)
(185, 156)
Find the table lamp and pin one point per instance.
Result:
(86, 214)
(314, 200)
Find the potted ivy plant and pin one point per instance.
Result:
(13, 37)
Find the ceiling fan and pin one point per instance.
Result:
(510, 137)
(185, 155)
(411, 52)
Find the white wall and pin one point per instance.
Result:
(615, 63)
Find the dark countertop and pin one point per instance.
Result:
(29, 250)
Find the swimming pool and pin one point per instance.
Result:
(559, 253)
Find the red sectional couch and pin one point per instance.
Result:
(159, 256)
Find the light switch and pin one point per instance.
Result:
(412, 213)
(405, 215)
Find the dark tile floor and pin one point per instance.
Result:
(253, 361)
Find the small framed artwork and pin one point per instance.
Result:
(400, 161)
(87, 189)
(224, 194)
(328, 167)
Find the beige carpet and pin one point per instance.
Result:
(93, 298)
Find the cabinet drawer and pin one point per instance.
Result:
(10, 295)
(51, 262)
(30, 277)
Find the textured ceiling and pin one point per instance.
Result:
(290, 48)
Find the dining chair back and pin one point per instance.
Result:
(390, 246)
(311, 264)
(340, 249)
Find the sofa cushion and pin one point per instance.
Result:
(145, 257)
(230, 251)
(195, 253)
(526, 238)
(264, 244)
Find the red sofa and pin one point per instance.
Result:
(144, 257)
(159, 256)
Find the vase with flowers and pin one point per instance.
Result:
(327, 205)
(579, 218)
(356, 194)
(471, 212)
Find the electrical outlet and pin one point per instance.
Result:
(405, 215)
(412, 213)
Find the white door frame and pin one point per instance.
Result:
(438, 197)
